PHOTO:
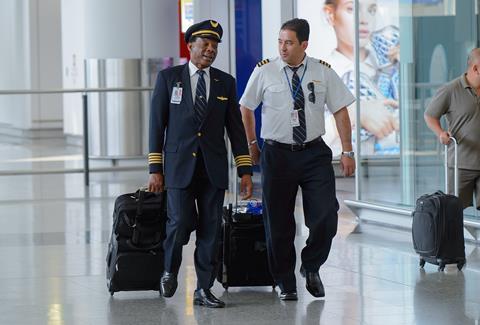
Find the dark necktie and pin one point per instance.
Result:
(200, 97)
(299, 132)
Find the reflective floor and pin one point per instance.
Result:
(53, 239)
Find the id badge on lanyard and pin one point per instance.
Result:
(294, 119)
(177, 94)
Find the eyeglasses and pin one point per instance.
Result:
(311, 96)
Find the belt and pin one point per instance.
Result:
(294, 146)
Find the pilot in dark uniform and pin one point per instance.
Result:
(192, 106)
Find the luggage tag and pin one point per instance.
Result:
(176, 94)
(294, 120)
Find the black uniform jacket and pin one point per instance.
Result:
(176, 138)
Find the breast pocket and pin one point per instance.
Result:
(317, 97)
(277, 95)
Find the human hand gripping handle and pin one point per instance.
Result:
(246, 186)
(156, 183)
(433, 123)
(444, 137)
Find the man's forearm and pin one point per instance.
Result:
(248, 118)
(433, 124)
(342, 120)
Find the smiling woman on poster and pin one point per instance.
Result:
(379, 56)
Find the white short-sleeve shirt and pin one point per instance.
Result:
(268, 85)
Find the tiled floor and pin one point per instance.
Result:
(53, 237)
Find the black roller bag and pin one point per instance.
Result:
(437, 227)
(243, 250)
(135, 253)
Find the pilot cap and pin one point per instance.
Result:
(205, 29)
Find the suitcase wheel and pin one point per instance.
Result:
(422, 262)
(225, 286)
(441, 267)
(460, 265)
(111, 293)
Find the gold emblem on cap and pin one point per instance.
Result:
(213, 23)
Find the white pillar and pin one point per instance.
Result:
(135, 29)
(73, 56)
(30, 56)
(160, 29)
(220, 11)
(274, 14)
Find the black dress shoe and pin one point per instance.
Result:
(314, 283)
(168, 284)
(204, 297)
(288, 295)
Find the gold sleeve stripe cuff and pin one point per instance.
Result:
(244, 165)
(154, 154)
(154, 162)
(243, 159)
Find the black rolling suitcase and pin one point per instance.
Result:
(135, 252)
(243, 249)
(437, 227)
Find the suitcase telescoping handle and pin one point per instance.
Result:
(455, 166)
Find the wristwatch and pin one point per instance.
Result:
(251, 143)
(350, 154)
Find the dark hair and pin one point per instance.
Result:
(299, 26)
(331, 2)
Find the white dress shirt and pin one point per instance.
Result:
(269, 85)
(194, 79)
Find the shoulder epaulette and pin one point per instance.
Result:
(263, 62)
(325, 63)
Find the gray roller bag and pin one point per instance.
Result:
(437, 227)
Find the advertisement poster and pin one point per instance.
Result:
(186, 12)
(332, 39)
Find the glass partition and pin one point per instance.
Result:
(406, 50)
(436, 37)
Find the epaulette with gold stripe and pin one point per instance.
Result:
(243, 160)
(155, 158)
(325, 63)
(263, 62)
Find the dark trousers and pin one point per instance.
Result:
(197, 207)
(283, 171)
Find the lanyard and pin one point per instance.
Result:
(294, 94)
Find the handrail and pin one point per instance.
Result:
(84, 92)
(71, 90)
(428, 84)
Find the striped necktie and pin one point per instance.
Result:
(200, 97)
(300, 131)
